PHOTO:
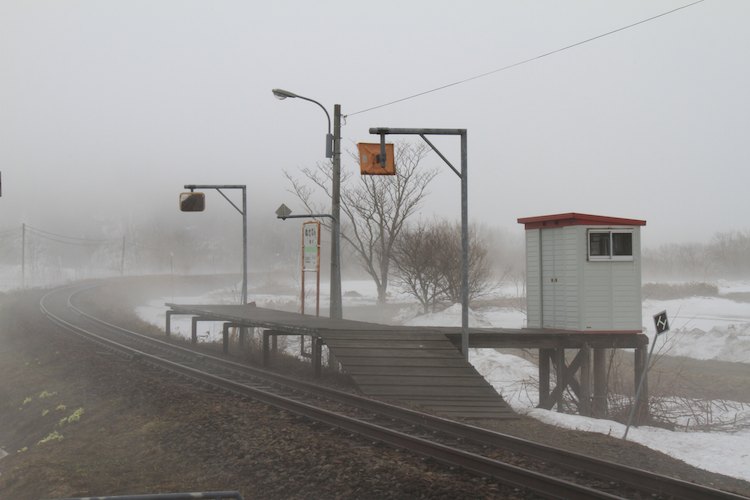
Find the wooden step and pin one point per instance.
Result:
(421, 368)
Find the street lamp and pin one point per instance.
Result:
(333, 151)
(282, 94)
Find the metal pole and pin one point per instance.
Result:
(336, 306)
(122, 258)
(171, 273)
(302, 268)
(638, 392)
(244, 245)
(464, 249)
(23, 255)
(243, 212)
(317, 275)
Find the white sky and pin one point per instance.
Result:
(108, 108)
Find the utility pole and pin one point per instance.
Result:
(23, 255)
(122, 259)
(336, 311)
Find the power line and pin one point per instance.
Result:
(65, 242)
(525, 61)
(10, 230)
(70, 240)
(92, 240)
(136, 244)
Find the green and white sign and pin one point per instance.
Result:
(310, 246)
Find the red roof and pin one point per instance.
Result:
(575, 219)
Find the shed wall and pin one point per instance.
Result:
(611, 297)
(566, 291)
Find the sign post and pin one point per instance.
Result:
(384, 160)
(661, 322)
(311, 259)
(196, 202)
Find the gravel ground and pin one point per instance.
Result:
(77, 421)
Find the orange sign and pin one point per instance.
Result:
(369, 159)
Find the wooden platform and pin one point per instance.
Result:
(416, 366)
(423, 366)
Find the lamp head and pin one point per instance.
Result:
(282, 94)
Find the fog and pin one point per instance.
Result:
(108, 108)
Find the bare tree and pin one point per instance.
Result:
(450, 262)
(375, 208)
(427, 262)
(416, 264)
(731, 250)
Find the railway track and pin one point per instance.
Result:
(545, 471)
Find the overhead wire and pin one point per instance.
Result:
(136, 244)
(75, 240)
(525, 61)
(70, 240)
(10, 230)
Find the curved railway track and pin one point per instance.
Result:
(546, 472)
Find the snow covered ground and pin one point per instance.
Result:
(701, 328)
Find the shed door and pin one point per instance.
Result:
(553, 300)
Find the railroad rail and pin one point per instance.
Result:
(547, 472)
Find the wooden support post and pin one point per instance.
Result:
(168, 327)
(194, 331)
(333, 364)
(641, 370)
(266, 348)
(600, 382)
(561, 378)
(225, 338)
(317, 356)
(584, 398)
(544, 374)
(243, 334)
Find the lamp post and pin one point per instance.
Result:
(242, 211)
(333, 151)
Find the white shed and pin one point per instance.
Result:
(583, 273)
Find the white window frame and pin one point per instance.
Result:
(611, 257)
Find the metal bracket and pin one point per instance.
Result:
(381, 156)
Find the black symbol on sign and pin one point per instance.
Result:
(661, 322)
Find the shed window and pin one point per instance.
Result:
(610, 245)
